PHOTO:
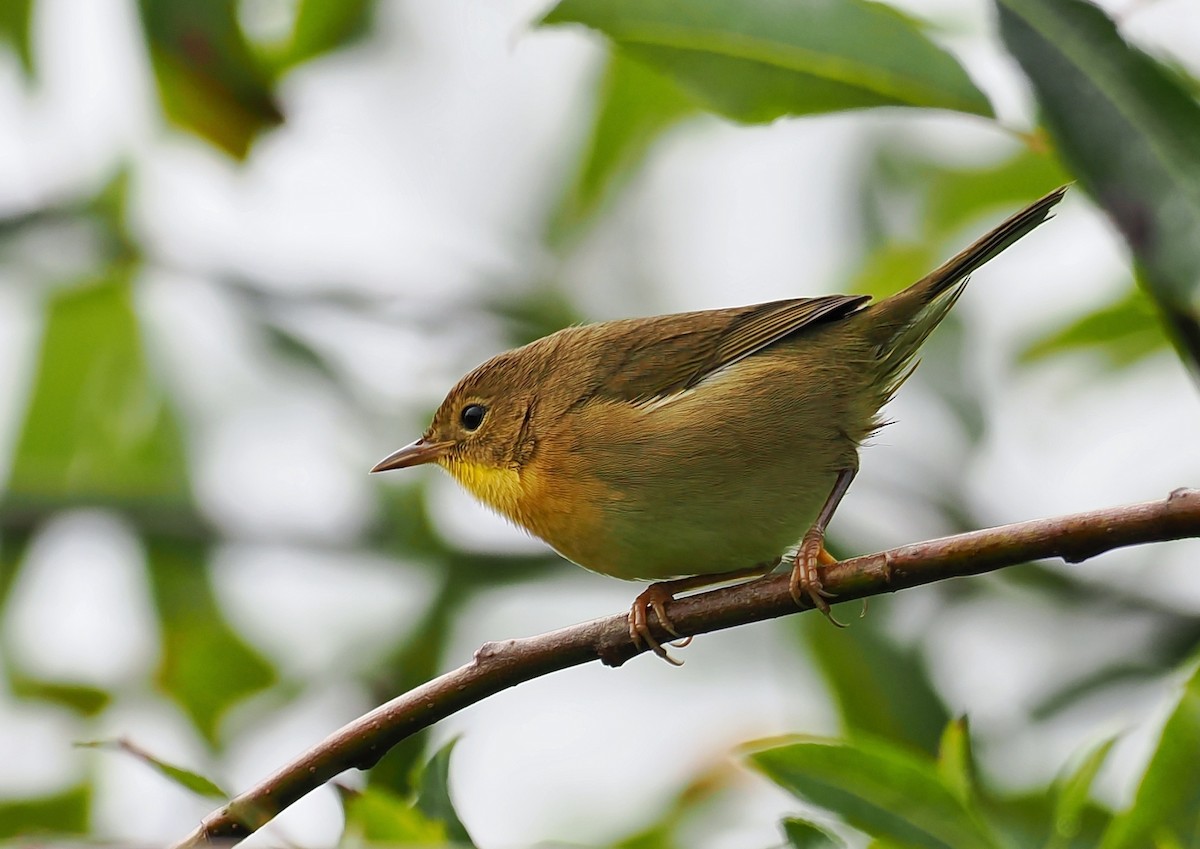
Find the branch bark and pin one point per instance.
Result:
(498, 666)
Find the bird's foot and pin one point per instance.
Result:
(805, 583)
(654, 597)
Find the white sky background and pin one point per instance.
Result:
(417, 168)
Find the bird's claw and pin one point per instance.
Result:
(805, 583)
(654, 597)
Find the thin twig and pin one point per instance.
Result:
(498, 666)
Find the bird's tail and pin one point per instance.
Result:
(900, 324)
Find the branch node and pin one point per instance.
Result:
(487, 651)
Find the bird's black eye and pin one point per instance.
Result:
(472, 416)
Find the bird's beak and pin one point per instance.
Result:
(413, 454)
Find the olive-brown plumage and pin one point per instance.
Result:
(692, 444)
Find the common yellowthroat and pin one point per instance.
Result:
(693, 448)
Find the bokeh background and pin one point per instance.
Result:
(245, 247)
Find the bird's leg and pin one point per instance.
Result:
(806, 570)
(656, 596)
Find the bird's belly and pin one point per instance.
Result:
(648, 534)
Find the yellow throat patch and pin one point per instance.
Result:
(498, 488)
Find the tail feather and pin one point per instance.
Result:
(903, 321)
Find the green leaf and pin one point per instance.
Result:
(99, 430)
(1073, 796)
(433, 795)
(1124, 332)
(206, 667)
(1028, 820)
(636, 106)
(1128, 129)
(886, 791)
(84, 699)
(882, 688)
(955, 763)
(757, 60)
(185, 778)
(802, 834)
(1166, 808)
(15, 19)
(912, 202)
(209, 80)
(377, 816)
(325, 25)
(58, 814)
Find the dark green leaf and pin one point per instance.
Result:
(209, 81)
(882, 688)
(377, 816)
(758, 60)
(15, 18)
(433, 795)
(206, 667)
(802, 834)
(1124, 331)
(1073, 796)
(185, 778)
(1028, 820)
(636, 106)
(886, 791)
(1167, 805)
(1128, 129)
(58, 814)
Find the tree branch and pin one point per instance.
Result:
(498, 666)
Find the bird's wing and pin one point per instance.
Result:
(675, 353)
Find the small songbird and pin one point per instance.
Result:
(694, 448)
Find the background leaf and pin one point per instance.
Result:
(883, 790)
(186, 778)
(758, 60)
(636, 106)
(1128, 129)
(1166, 809)
(867, 672)
(1124, 331)
(802, 834)
(15, 19)
(54, 815)
(209, 80)
(433, 795)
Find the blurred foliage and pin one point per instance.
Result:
(188, 779)
(1146, 175)
(1122, 332)
(209, 81)
(634, 106)
(759, 60)
(901, 798)
(64, 813)
(426, 817)
(101, 430)
(15, 19)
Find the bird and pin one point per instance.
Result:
(699, 447)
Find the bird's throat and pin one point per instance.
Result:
(497, 487)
